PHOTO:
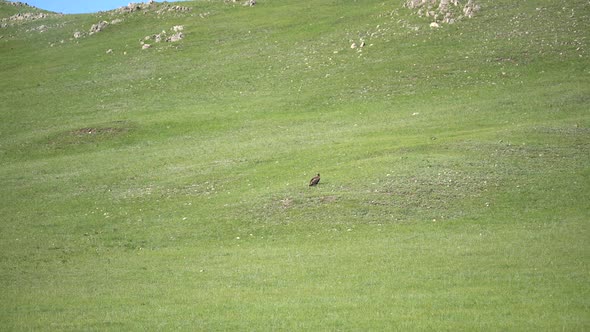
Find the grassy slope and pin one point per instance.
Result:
(454, 161)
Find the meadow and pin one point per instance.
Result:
(167, 188)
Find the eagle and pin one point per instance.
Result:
(315, 180)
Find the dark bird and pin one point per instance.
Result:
(315, 180)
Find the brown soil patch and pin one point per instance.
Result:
(97, 131)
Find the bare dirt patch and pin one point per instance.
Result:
(98, 131)
(88, 135)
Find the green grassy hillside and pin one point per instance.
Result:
(167, 187)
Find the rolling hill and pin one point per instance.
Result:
(165, 186)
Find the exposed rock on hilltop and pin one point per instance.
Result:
(24, 6)
(108, 19)
(19, 4)
(150, 6)
(32, 13)
(133, 7)
(26, 17)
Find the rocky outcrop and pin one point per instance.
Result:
(248, 3)
(177, 35)
(19, 4)
(26, 17)
(134, 7)
(444, 11)
(170, 8)
(98, 27)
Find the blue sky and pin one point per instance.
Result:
(79, 6)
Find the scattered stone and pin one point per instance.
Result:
(250, 3)
(353, 45)
(434, 25)
(178, 28)
(41, 28)
(78, 34)
(146, 46)
(110, 51)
